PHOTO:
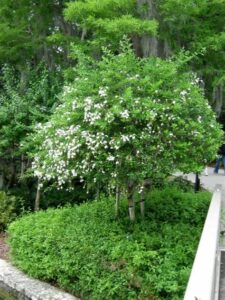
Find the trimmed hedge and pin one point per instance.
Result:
(84, 250)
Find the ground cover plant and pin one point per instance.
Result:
(86, 251)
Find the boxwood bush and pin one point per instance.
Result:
(84, 250)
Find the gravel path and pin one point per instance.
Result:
(4, 249)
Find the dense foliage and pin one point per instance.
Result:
(22, 105)
(40, 33)
(10, 207)
(204, 20)
(124, 119)
(106, 22)
(85, 251)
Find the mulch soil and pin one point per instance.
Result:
(4, 248)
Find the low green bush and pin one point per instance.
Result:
(184, 184)
(84, 250)
(8, 209)
(51, 196)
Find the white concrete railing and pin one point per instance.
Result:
(202, 281)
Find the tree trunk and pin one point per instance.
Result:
(117, 204)
(38, 195)
(146, 186)
(1, 180)
(152, 45)
(136, 41)
(218, 99)
(98, 191)
(23, 79)
(83, 34)
(12, 179)
(22, 165)
(131, 203)
(142, 204)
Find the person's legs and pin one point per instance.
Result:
(219, 159)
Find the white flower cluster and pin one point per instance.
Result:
(103, 91)
(125, 114)
(93, 111)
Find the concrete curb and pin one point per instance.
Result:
(23, 287)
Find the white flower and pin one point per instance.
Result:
(183, 93)
(102, 92)
(110, 158)
(74, 105)
(125, 114)
(141, 189)
(125, 138)
(74, 173)
(38, 173)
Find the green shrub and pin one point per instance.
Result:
(9, 209)
(84, 250)
(182, 183)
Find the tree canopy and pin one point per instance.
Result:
(124, 119)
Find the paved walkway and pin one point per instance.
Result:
(211, 180)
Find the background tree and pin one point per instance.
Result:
(20, 109)
(105, 23)
(32, 31)
(199, 28)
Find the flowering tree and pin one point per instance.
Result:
(125, 119)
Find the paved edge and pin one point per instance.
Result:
(27, 288)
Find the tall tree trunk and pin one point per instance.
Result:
(218, 99)
(131, 203)
(1, 180)
(146, 186)
(1, 174)
(68, 29)
(117, 204)
(22, 165)
(136, 41)
(23, 79)
(152, 45)
(142, 203)
(83, 34)
(97, 191)
(38, 195)
(12, 179)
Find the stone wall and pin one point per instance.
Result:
(15, 285)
